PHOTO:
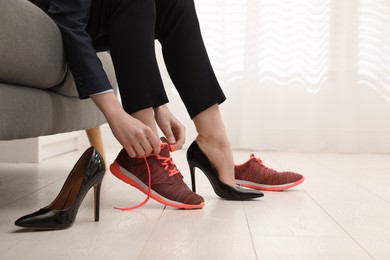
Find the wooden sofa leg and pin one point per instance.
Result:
(96, 140)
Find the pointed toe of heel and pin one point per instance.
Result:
(245, 193)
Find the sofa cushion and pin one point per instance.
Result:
(28, 56)
(31, 112)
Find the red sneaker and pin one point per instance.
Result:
(255, 175)
(167, 185)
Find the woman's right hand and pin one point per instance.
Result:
(137, 138)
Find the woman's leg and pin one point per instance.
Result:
(189, 67)
(131, 37)
(127, 29)
(185, 55)
(129, 33)
(146, 116)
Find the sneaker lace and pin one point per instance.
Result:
(258, 160)
(169, 165)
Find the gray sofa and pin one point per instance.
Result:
(37, 92)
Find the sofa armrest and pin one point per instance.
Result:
(31, 50)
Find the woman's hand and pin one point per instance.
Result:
(173, 130)
(138, 139)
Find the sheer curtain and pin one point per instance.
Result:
(302, 75)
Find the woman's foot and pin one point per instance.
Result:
(219, 153)
(213, 141)
(197, 159)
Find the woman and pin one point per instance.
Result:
(128, 29)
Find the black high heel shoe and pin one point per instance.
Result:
(61, 213)
(196, 158)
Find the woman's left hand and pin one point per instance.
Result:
(172, 128)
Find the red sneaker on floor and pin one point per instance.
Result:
(255, 175)
(167, 185)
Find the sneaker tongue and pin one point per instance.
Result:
(164, 150)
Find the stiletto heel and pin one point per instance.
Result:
(88, 172)
(192, 171)
(96, 192)
(196, 158)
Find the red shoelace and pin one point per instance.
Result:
(252, 156)
(167, 162)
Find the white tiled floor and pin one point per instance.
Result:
(341, 211)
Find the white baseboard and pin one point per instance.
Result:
(33, 150)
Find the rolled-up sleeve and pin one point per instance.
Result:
(71, 16)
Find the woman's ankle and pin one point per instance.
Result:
(216, 141)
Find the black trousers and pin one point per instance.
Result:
(128, 29)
